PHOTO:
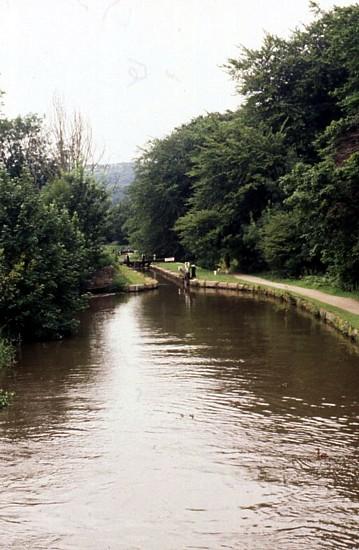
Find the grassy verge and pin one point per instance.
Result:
(312, 282)
(350, 318)
(113, 275)
(126, 276)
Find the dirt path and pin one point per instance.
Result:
(348, 304)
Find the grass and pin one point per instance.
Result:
(126, 276)
(313, 282)
(351, 318)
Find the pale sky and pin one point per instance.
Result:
(134, 68)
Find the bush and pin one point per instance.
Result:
(5, 398)
(108, 256)
(42, 263)
(119, 282)
(7, 353)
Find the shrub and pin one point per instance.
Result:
(5, 398)
(7, 353)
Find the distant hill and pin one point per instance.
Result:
(117, 177)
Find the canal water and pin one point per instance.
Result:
(183, 421)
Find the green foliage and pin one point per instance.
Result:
(88, 203)
(126, 276)
(108, 256)
(342, 31)
(200, 234)
(294, 84)
(326, 197)
(235, 174)
(42, 263)
(159, 194)
(282, 242)
(25, 148)
(275, 184)
(52, 227)
(7, 353)
(117, 218)
(5, 398)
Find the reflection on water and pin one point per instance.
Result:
(183, 421)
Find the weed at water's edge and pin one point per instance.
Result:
(5, 398)
(7, 353)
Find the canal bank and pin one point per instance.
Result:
(119, 278)
(345, 322)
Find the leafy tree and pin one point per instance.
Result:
(294, 84)
(342, 31)
(117, 218)
(200, 232)
(25, 147)
(159, 194)
(88, 202)
(274, 184)
(326, 197)
(42, 263)
(283, 242)
(235, 174)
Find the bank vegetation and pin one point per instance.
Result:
(272, 186)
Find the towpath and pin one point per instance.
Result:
(348, 304)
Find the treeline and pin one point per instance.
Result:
(54, 219)
(274, 185)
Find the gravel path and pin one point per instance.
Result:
(348, 304)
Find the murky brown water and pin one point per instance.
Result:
(177, 422)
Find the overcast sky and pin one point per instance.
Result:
(134, 68)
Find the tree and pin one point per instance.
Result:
(73, 146)
(283, 242)
(294, 84)
(88, 202)
(274, 184)
(200, 232)
(117, 217)
(42, 263)
(25, 147)
(326, 197)
(234, 175)
(162, 186)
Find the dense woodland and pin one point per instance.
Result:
(54, 220)
(273, 186)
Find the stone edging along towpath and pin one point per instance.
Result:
(284, 295)
(348, 304)
(141, 287)
(109, 289)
